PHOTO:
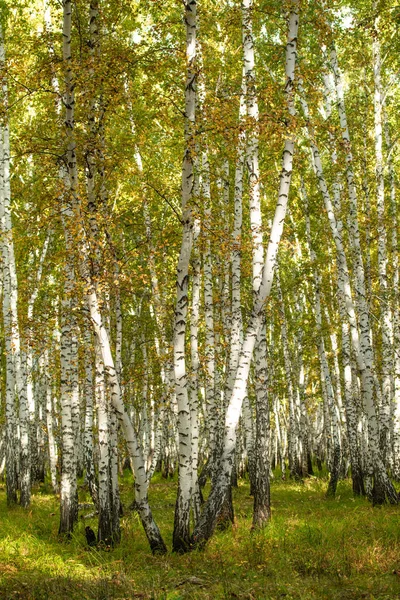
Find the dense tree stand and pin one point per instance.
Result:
(199, 267)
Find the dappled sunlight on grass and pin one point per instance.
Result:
(339, 548)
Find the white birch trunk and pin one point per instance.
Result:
(29, 365)
(52, 445)
(262, 502)
(210, 341)
(104, 533)
(280, 436)
(10, 408)
(16, 380)
(115, 502)
(395, 407)
(195, 366)
(367, 208)
(88, 446)
(68, 485)
(236, 310)
(385, 317)
(183, 501)
(69, 363)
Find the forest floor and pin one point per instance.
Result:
(314, 548)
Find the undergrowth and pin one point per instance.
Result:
(314, 548)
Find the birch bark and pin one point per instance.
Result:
(262, 501)
(105, 529)
(236, 337)
(69, 357)
(52, 445)
(195, 366)
(14, 363)
(88, 446)
(181, 534)
(395, 412)
(210, 341)
(386, 317)
(10, 409)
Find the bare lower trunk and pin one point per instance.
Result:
(104, 533)
(262, 501)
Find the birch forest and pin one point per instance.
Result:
(200, 309)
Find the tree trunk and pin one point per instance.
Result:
(181, 533)
(262, 501)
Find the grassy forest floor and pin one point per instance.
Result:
(314, 548)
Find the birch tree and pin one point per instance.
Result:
(16, 387)
(182, 509)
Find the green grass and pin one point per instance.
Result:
(313, 549)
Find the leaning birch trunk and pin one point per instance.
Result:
(236, 330)
(181, 533)
(215, 502)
